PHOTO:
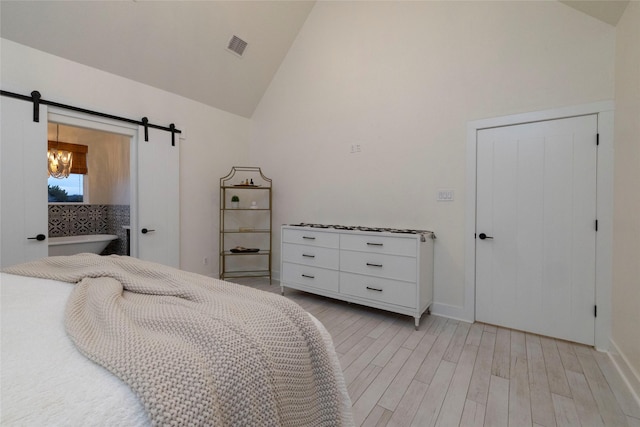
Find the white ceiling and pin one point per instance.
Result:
(180, 46)
(608, 11)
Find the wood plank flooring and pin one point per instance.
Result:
(451, 373)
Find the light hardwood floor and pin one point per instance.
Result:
(451, 373)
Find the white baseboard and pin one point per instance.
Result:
(630, 376)
(450, 311)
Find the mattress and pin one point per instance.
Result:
(44, 379)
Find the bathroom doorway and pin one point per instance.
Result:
(96, 196)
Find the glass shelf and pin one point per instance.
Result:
(261, 252)
(247, 231)
(245, 209)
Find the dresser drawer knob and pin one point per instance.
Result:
(308, 237)
(308, 256)
(374, 265)
(374, 289)
(374, 244)
(308, 276)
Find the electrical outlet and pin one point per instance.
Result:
(356, 148)
(205, 260)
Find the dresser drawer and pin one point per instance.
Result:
(311, 238)
(311, 255)
(372, 264)
(377, 289)
(319, 278)
(379, 244)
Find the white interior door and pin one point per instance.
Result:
(23, 188)
(536, 205)
(158, 194)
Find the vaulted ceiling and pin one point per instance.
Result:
(608, 11)
(180, 46)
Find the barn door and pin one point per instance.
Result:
(23, 206)
(535, 227)
(158, 194)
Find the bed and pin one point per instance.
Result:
(52, 374)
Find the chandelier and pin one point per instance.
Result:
(59, 161)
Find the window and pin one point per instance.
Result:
(67, 190)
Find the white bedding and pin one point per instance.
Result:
(44, 379)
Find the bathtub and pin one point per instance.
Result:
(70, 245)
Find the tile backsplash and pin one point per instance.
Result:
(76, 220)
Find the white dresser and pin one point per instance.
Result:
(383, 268)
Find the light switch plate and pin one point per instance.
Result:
(444, 195)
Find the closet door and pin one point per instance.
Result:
(158, 194)
(23, 187)
(536, 224)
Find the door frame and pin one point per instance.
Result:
(604, 206)
(78, 119)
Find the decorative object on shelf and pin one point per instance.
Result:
(245, 232)
(243, 250)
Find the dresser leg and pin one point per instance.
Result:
(417, 322)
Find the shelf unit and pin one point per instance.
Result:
(246, 224)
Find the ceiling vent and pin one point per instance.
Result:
(237, 45)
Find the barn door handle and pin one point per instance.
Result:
(483, 236)
(145, 231)
(39, 237)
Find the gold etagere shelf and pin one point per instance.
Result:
(245, 224)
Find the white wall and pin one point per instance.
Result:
(215, 140)
(109, 173)
(626, 231)
(402, 79)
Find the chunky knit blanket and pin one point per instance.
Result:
(197, 350)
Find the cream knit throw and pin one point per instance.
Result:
(197, 350)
